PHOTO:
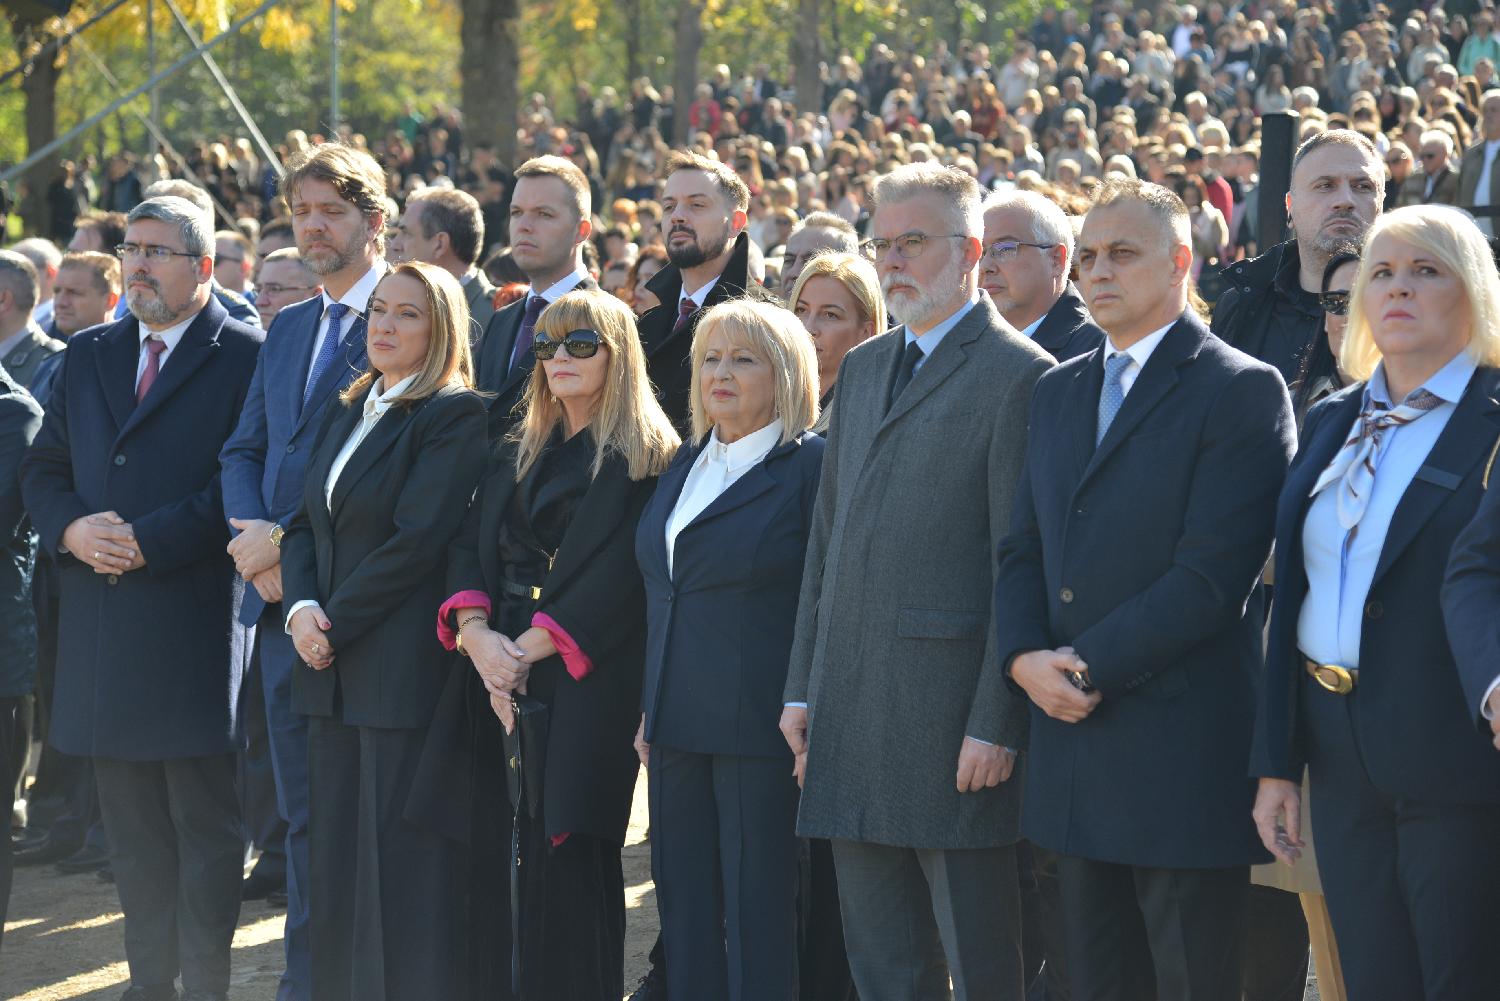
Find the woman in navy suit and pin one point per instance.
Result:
(721, 547)
(1360, 682)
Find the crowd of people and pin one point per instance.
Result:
(986, 548)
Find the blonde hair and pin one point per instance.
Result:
(775, 335)
(627, 421)
(448, 361)
(1452, 237)
(853, 272)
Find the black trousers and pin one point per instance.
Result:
(1043, 942)
(1136, 933)
(822, 959)
(177, 859)
(385, 897)
(572, 918)
(264, 827)
(1411, 885)
(9, 710)
(1276, 951)
(724, 857)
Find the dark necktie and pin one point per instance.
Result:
(527, 334)
(326, 351)
(155, 345)
(909, 359)
(685, 310)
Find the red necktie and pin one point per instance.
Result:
(156, 346)
(685, 310)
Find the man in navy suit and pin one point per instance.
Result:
(314, 349)
(123, 486)
(1127, 605)
(1028, 252)
(1471, 601)
(549, 224)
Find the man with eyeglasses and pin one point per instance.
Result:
(1398, 163)
(123, 486)
(1028, 253)
(285, 279)
(1438, 181)
(901, 721)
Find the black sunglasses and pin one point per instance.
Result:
(579, 344)
(1335, 303)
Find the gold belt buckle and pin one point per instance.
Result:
(1334, 678)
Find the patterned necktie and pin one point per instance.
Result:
(685, 310)
(1353, 468)
(1112, 397)
(154, 345)
(526, 336)
(326, 350)
(904, 373)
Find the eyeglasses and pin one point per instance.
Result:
(149, 251)
(908, 245)
(579, 344)
(1006, 250)
(276, 289)
(1335, 303)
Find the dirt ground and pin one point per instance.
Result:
(63, 935)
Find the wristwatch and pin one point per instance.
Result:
(277, 532)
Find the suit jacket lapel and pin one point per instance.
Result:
(755, 481)
(498, 489)
(593, 524)
(381, 437)
(199, 343)
(349, 360)
(1464, 443)
(117, 358)
(946, 359)
(1088, 380)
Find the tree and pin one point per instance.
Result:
(35, 28)
(807, 55)
(491, 63)
(689, 43)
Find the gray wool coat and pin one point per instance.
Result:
(895, 652)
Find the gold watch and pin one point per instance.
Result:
(277, 533)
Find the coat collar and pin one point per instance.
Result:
(666, 285)
(948, 357)
(375, 444)
(119, 355)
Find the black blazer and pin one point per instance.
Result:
(1471, 600)
(492, 364)
(377, 561)
(720, 625)
(1145, 555)
(594, 592)
(1068, 330)
(1416, 733)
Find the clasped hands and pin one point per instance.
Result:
(1047, 678)
(256, 557)
(104, 541)
(504, 664)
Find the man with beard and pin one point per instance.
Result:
(897, 711)
(1270, 309)
(337, 199)
(549, 226)
(123, 486)
(704, 206)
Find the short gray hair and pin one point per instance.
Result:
(196, 228)
(1438, 136)
(186, 190)
(18, 274)
(1045, 218)
(842, 233)
(957, 190)
(41, 253)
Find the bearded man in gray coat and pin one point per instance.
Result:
(904, 728)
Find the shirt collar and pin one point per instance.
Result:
(1447, 383)
(18, 337)
(358, 296)
(171, 335)
(562, 286)
(748, 450)
(1029, 331)
(380, 399)
(929, 341)
(1140, 351)
(698, 295)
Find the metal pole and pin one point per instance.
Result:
(333, 68)
(155, 116)
(125, 99)
(1278, 142)
(228, 89)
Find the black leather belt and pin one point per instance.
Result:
(520, 590)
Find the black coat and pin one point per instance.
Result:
(1145, 555)
(1265, 313)
(1471, 600)
(20, 418)
(720, 624)
(377, 562)
(1416, 734)
(492, 363)
(1068, 330)
(149, 663)
(593, 591)
(669, 354)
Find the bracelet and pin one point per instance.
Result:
(472, 618)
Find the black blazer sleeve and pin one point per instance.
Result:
(1471, 603)
(431, 507)
(20, 418)
(47, 471)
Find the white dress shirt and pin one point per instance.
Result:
(1139, 352)
(358, 301)
(717, 468)
(171, 337)
(563, 286)
(698, 296)
(377, 402)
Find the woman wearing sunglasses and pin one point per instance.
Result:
(721, 547)
(547, 602)
(1361, 686)
(1319, 375)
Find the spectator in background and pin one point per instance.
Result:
(1399, 162)
(1437, 183)
(100, 232)
(23, 343)
(234, 260)
(820, 231)
(284, 279)
(444, 226)
(44, 257)
(87, 289)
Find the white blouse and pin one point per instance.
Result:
(716, 468)
(376, 404)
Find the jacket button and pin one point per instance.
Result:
(1374, 610)
(113, 579)
(1066, 595)
(119, 460)
(290, 449)
(1078, 509)
(670, 596)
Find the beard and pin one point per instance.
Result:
(919, 305)
(153, 310)
(333, 258)
(696, 253)
(1325, 244)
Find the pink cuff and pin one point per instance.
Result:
(574, 659)
(447, 634)
(558, 839)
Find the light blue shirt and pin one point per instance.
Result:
(1341, 565)
(929, 341)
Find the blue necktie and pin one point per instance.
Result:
(1113, 395)
(526, 336)
(326, 351)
